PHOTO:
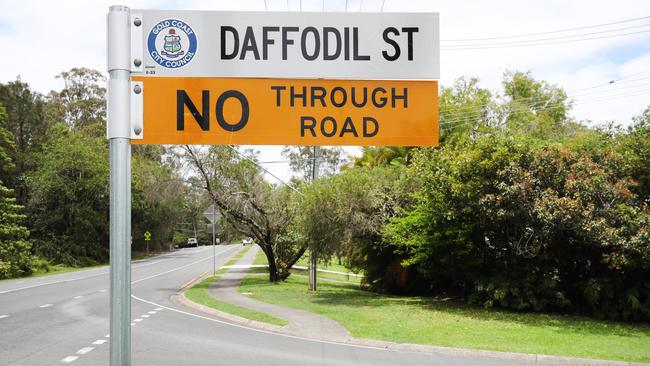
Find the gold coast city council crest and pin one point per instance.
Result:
(172, 43)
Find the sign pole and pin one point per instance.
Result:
(118, 133)
(214, 243)
(312, 255)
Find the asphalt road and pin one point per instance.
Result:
(63, 319)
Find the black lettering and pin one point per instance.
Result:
(409, 32)
(348, 126)
(293, 95)
(366, 131)
(278, 89)
(346, 42)
(326, 37)
(249, 44)
(304, 126)
(392, 42)
(381, 101)
(322, 126)
(243, 120)
(355, 46)
(394, 97)
(235, 49)
(285, 40)
(344, 97)
(182, 100)
(353, 99)
(266, 41)
(303, 44)
(320, 96)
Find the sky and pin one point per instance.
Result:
(40, 39)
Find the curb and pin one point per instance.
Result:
(180, 299)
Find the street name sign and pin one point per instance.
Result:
(278, 78)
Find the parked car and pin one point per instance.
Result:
(247, 241)
(192, 242)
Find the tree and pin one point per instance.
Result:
(301, 160)
(82, 101)
(508, 222)
(253, 206)
(69, 203)
(636, 148)
(26, 121)
(15, 250)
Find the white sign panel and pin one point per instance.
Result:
(287, 45)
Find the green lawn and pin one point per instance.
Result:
(198, 294)
(443, 323)
(238, 256)
(261, 259)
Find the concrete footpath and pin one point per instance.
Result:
(301, 323)
(313, 326)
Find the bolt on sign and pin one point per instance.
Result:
(285, 78)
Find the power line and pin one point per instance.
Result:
(264, 169)
(542, 43)
(549, 39)
(542, 33)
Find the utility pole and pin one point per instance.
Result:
(214, 242)
(119, 137)
(312, 255)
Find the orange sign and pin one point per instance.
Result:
(246, 111)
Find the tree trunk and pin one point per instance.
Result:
(274, 275)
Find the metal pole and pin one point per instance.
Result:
(214, 242)
(118, 131)
(312, 256)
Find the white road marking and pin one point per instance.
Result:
(86, 277)
(100, 342)
(145, 315)
(158, 309)
(78, 297)
(45, 306)
(103, 290)
(257, 330)
(179, 268)
(107, 336)
(69, 359)
(138, 320)
(151, 312)
(4, 316)
(132, 324)
(85, 350)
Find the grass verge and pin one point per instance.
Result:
(199, 295)
(444, 323)
(261, 259)
(234, 259)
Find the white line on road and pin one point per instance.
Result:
(151, 312)
(78, 297)
(145, 315)
(81, 278)
(138, 320)
(158, 309)
(4, 316)
(256, 330)
(85, 350)
(107, 336)
(69, 359)
(45, 306)
(100, 342)
(132, 324)
(178, 268)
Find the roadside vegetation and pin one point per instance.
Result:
(444, 322)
